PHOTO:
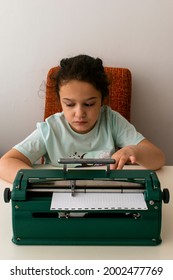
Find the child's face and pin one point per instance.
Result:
(81, 104)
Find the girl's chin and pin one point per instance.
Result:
(81, 129)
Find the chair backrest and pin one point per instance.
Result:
(119, 98)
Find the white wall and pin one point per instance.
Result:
(36, 34)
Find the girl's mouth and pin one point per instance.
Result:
(80, 122)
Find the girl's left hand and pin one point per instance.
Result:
(124, 155)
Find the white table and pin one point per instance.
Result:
(164, 251)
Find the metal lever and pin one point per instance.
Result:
(73, 185)
(66, 161)
(83, 161)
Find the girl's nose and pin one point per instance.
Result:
(80, 112)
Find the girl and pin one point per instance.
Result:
(85, 128)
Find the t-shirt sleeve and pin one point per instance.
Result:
(124, 132)
(32, 147)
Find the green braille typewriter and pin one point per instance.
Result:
(86, 206)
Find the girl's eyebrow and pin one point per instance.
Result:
(68, 99)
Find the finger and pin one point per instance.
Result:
(121, 163)
(132, 159)
(112, 166)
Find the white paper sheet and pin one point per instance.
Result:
(98, 201)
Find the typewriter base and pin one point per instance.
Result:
(87, 231)
(89, 242)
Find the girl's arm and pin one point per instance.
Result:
(145, 153)
(11, 163)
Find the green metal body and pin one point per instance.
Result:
(35, 224)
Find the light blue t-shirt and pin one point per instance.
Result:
(55, 139)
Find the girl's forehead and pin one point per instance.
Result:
(74, 88)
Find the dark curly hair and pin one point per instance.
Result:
(83, 68)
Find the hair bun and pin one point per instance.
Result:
(99, 62)
(64, 62)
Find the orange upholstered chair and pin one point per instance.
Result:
(119, 98)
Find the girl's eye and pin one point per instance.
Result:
(69, 104)
(86, 104)
(89, 104)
